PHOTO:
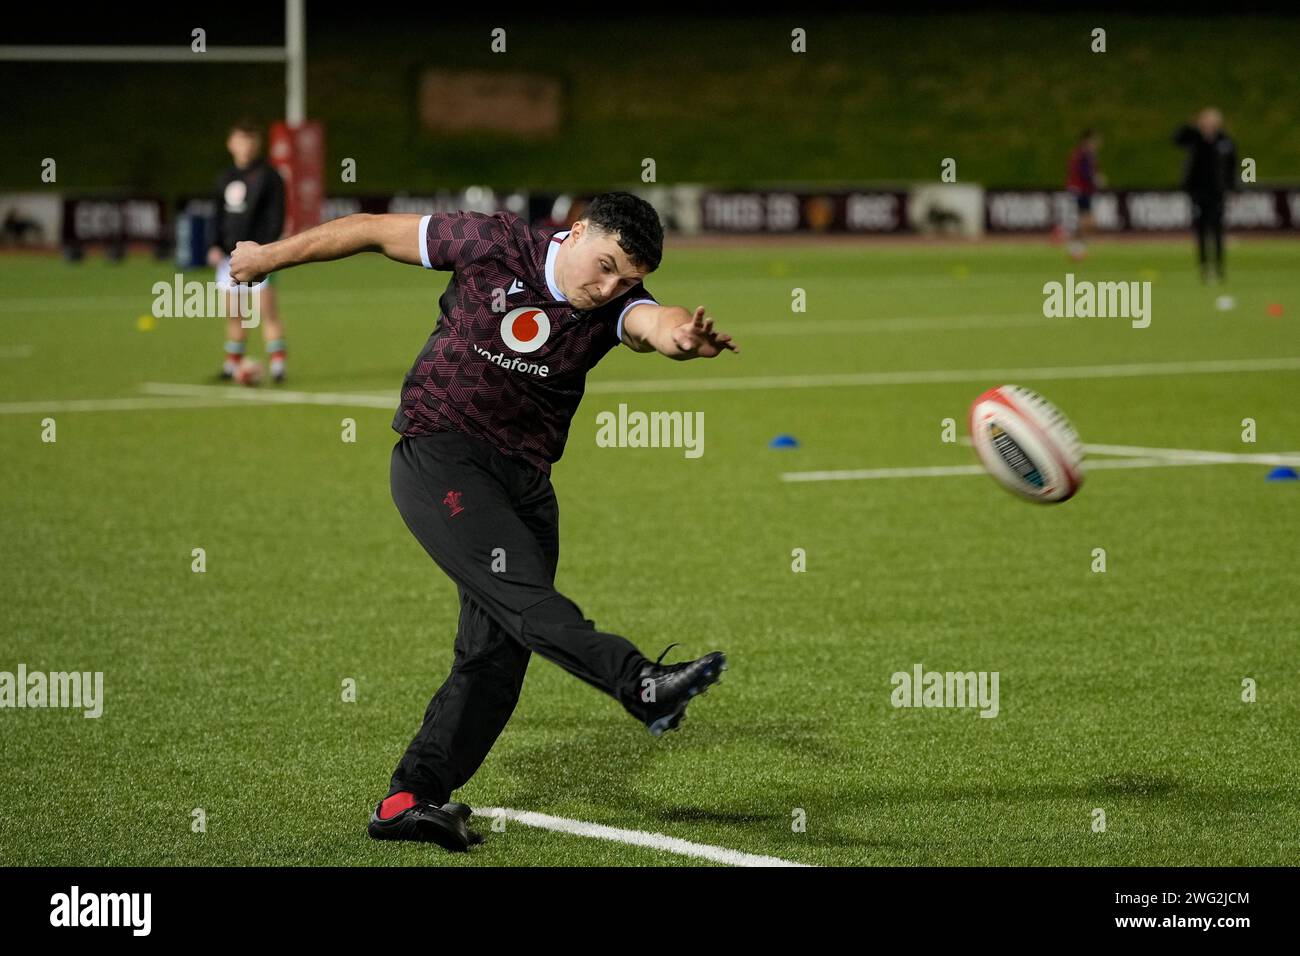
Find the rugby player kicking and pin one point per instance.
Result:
(484, 413)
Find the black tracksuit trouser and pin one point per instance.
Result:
(491, 522)
(1207, 221)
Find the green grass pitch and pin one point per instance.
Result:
(1119, 691)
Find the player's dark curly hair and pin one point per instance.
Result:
(246, 124)
(640, 233)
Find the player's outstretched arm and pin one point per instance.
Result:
(674, 332)
(396, 235)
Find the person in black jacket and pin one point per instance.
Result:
(1209, 171)
(249, 206)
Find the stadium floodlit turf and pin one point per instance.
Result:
(1119, 691)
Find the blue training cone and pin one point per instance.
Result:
(783, 441)
(1283, 473)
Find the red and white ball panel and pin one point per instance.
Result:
(248, 372)
(1026, 443)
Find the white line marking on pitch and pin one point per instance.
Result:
(110, 405)
(945, 323)
(1187, 454)
(848, 379)
(135, 304)
(866, 474)
(1195, 455)
(937, 376)
(230, 395)
(276, 397)
(654, 841)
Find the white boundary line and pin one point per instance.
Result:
(1185, 454)
(941, 323)
(276, 396)
(1135, 457)
(940, 471)
(162, 396)
(848, 379)
(229, 395)
(1194, 455)
(136, 304)
(939, 376)
(654, 841)
(111, 405)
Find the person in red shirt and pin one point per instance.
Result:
(1082, 181)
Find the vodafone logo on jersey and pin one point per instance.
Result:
(525, 330)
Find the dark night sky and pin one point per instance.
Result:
(151, 22)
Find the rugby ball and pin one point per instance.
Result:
(1026, 444)
(249, 372)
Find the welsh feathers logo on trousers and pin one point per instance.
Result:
(525, 330)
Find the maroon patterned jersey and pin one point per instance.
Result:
(508, 360)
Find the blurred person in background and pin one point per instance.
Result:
(249, 204)
(1082, 180)
(1209, 171)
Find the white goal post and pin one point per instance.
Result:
(293, 54)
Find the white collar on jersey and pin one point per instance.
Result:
(552, 250)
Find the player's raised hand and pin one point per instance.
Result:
(246, 263)
(698, 339)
